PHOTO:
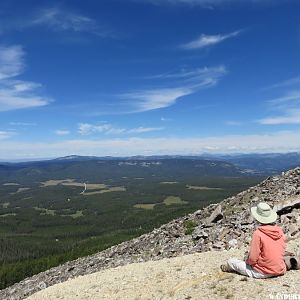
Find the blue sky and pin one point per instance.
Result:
(144, 77)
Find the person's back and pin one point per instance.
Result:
(267, 250)
(266, 255)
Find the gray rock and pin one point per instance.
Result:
(216, 215)
(233, 243)
(42, 285)
(286, 205)
(293, 229)
(199, 233)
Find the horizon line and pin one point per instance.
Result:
(66, 157)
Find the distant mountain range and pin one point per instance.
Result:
(93, 168)
(256, 164)
(270, 163)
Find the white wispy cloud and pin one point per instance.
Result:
(163, 119)
(285, 83)
(63, 19)
(292, 117)
(11, 61)
(16, 94)
(286, 107)
(86, 129)
(208, 40)
(156, 98)
(187, 82)
(144, 129)
(25, 86)
(252, 143)
(10, 99)
(289, 98)
(166, 89)
(22, 124)
(62, 132)
(57, 18)
(6, 134)
(207, 76)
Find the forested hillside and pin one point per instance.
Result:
(55, 211)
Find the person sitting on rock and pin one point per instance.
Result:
(266, 255)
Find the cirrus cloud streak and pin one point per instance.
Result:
(106, 128)
(16, 94)
(187, 82)
(208, 40)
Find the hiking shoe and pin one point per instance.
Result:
(225, 268)
(292, 262)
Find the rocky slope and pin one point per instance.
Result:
(217, 227)
(195, 276)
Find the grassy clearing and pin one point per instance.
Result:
(76, 184)
(55, 182)
(89, 186)
(76, 215)
(145, 206)
(52, 212)
(115, 189)
(110, 189)
(95, 186)
(7, 215)
(20, 190)
(45, 211)
(72, 182)
(204, 188)
(170, 200)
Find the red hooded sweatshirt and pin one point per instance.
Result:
(267, 250)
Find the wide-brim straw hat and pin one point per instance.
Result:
(263, 213)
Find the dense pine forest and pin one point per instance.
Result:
(55, 211)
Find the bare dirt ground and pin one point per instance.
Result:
(195, 276)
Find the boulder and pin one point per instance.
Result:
(233, 243)
(216, 215)
(199, 233)
(287, 205)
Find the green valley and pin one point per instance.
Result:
(55, 211)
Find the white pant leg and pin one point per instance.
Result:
(241, 267)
